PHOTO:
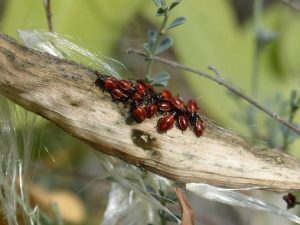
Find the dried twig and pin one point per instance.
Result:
(188, 214)
(62, 91)
(222, 82)
(47, 5)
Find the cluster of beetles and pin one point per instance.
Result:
(145, 102)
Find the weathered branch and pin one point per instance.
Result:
(60, 91)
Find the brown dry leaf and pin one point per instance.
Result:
(188, 215)
(70, 206)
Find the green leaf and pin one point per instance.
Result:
(161, 11)
(148, 79)
(264, 36)
(166, 43)
(161, 79)
(178, 21)
(147, 48)
(158, 3)
(164, 3)
(174, 4)
(152, 35)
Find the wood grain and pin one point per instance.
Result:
(63, 92)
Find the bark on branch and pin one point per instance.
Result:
(60, 91)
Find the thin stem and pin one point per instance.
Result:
(255, 71)
(162, 215)
(162, 218)
(257, 11)
(188, 214)
(286, 134)
(47, 5)
(220, 80)
(157, 41)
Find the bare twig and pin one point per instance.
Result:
(222, 82)
(60, 91)
(47, 5)
(188, 214)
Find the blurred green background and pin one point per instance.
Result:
(218, 33)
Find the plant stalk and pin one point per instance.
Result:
(257, 11)
(153, 49)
